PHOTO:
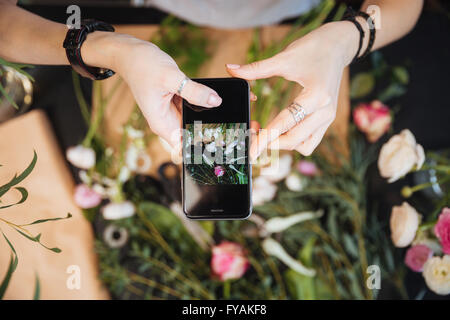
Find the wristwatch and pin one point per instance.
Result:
(73, 42)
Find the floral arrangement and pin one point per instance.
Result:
(429, 242)
(310, 237)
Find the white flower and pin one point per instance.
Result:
(294, 182)
(84, 177)
(115, 237)
(134, 133)
(124, 174)
(121, 210)
(81, 157)
(279, 224)
(137, 160)
(211, 147)
(404, 223)
(278, 169)
(400, 155)
(99, 189)
(230, 147)
(263, 190)
(436, 272)
(273, 248)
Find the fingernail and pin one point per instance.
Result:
(233, 66)
(214, 100)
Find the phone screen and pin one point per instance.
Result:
(216, 166)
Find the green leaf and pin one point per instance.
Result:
(17, 179)
(49, 219)
(393, 91)
(362, 84)
(401, 74)
(6, 95)
(350, 245)
(38, 240)
(7, 278)
(24, 194)
(37, 289)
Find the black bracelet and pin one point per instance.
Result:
(351, 15)
(372, 30)
(73, 42)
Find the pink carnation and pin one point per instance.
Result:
(85, 197)
(307, 168)
(416, 256)
(219, 171)
(442, 230)
(373, 119)
(229, 261)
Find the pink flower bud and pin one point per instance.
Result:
(307, 168)
(416, 256)
(373, 119)
(85, 197)
(219, 171)
(442, 230)
(228, 261)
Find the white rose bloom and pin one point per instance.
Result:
(121, 210)
(262, 190)
(294, 182)
(400, 155)
(81, 157)
(278, 169)
(404, 223)
(436, 272)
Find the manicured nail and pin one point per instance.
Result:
(233, 66)
(214, 100)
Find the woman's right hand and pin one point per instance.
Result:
(154, 79)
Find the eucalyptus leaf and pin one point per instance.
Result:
(5, 282)
(361, 85)
(17, 179)
(46, 220)
(24, 194)
(401, 74)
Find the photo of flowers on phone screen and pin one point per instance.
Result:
(216, 153)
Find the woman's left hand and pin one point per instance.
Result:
(315, 61)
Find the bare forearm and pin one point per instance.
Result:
(28, 38)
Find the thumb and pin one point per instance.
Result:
(255, 70)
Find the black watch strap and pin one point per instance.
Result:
(73, 42)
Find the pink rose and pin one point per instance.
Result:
(219, 171)
(372, 119)
(228, 261)
(307, 168)
(416, 256)
(85, 197)
(442, 229)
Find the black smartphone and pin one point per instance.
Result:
(216, 167)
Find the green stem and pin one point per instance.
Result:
(226, 289)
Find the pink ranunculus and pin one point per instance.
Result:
(219, 171)
(442, 230)
(416, 256)
(228, 261)
(85, 197)
(307, 168)
(373, 119)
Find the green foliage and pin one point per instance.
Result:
(19, 68)
(20, 228)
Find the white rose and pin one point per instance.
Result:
(400, 155)
(121, 210)
(436, 272)
(263, 190)
(278, 169)
(404, 223)
(81, 157)
(294, 182)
